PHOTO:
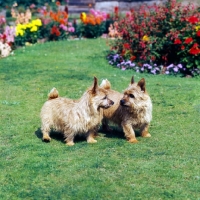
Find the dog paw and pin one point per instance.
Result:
(46, 138)
(70, 143)
(133, 141)
(147, 135)
(91, 141)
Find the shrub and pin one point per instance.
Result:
(6, 38)
(55, 23)
(93, 24)
(161, 34)
(28, 33)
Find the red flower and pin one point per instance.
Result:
(198, 33)
(177, 41)
(126, 46)
(182, 47)
(116, 10)
(3, 37)
(193, 20)
(66, 9)
(55, 31)
(188, 40)
(132, 58)
(153, 58)
(194, 50)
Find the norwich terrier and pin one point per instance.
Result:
(131, 110)
(73, 117)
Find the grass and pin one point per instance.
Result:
(165, 166)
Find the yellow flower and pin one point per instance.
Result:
(145, 38)
(197, 27)
(29, 25)
(23, 26)
(34, 28)
(19, 30)
(83, 16)
(37, 22)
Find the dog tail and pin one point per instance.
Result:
(105, 84)
(53, 94)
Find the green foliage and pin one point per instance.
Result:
(165, 166)
(91, 31)
(26, 3)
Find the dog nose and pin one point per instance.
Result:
(122, 102)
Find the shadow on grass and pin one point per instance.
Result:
(58, 136)
(116, 132)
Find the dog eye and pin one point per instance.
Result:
(131, 95)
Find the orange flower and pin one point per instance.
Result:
(91, 20)
(132, 58)
(98, 20)
(58, 3)
(62, 21)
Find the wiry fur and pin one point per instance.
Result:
(72, 117)
(131, 110)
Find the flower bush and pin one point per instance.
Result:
(165, 37)
(92, 24)
(55, 23)
(6, 38)
(28, 33)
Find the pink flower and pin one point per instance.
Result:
(71, 29)
(62, 26)
(10, 34)
(32, 5)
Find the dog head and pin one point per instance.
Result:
(100, 98)
(135, 94)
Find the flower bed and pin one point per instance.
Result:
(158, 39)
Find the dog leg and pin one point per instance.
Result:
(69, 139)
(129, 133)
(45, 134)
(90, 137)
(144, 131)
(105, 126)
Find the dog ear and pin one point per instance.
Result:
(95, 87)
(141, 84)
(132, 80)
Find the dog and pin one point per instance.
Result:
(73, 117)
(131, 110)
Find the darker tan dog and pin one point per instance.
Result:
(72, 117)
(131, 110)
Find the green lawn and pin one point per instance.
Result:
(165, 166)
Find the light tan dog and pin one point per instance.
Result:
(72, 117)
(131, 110)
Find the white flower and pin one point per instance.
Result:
(5, 50)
